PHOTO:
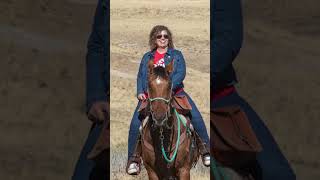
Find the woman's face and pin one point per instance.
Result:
(162, 39)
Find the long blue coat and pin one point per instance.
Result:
(177, 76)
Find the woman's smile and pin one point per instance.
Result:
(162, 39)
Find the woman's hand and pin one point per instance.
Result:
(142, 97)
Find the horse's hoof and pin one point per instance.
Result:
(133, 169)
(206, 160)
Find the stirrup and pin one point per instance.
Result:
(133, 169)
(206, 160)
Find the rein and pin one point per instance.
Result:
(168, 159)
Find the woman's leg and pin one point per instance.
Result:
(85, 166)
(134, 131)
(271, 160)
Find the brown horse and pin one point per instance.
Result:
(163, 156)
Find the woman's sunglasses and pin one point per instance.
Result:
(160, 36)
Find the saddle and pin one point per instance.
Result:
(181, 104)
(234, 142)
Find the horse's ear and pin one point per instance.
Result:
(169, 67)
(150, 66)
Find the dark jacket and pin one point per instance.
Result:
(98, 55)
(177, 76)
(225, 41)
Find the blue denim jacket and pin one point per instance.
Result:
(98, 55)
(177, 76)
(226, 40)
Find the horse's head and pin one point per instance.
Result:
(160, 88)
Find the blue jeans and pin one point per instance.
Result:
(196, 120)
(86, 169)
(272, 163)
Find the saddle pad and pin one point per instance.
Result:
(144, 122)
(185, 120)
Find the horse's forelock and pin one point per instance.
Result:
(153, 79)
(161, 72)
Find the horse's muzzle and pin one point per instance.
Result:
(159, 119)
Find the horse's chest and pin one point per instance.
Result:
(152, 154)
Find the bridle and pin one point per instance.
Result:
(168, 113)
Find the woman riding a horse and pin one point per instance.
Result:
(162, 54)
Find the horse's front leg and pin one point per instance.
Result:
(184, 174)
(151, 173)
